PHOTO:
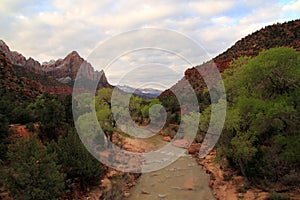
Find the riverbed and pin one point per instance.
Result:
(183, 179)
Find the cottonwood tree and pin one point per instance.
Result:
(261, 134)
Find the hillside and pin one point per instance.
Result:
(25, 83)
(30, 77)
(276, 35)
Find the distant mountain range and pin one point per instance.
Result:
(141, 92)
(276, 35)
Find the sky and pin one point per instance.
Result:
(51, 29)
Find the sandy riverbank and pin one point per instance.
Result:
(234, 188)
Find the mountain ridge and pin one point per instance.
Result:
(60, 73)
(276, 35)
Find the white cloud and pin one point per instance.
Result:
(293, 6)
(223, 20)
(211, 8)
(50, 29)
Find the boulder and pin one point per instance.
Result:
(145, 192)
(181, 143)
(194, 148)
(167, 139)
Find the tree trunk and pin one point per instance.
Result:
(241, 164)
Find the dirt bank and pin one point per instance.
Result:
(228, 185)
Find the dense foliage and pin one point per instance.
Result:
(77, 163)
(3, 135)
(52, 162)
(33, 173)
(261, 136)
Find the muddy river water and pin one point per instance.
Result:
(184, 179)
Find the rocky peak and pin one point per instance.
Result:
(69, 66)
(73, 54)
(15, 57)
(64, 70)
(49, 62)
(4, 48)
(33, 65)
(5, 64)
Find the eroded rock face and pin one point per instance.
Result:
(66, 70)
(4, 48)
(33, 65)
(64, 67)
(10, 82)
(62, 70)
(69, 66)
(15, 57)
(5, 64)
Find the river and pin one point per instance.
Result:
(184, 179)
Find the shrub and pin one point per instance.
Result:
(278, 196)
(227, 177)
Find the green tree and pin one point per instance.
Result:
(22, 115)
(3, 135)
(261, 134)
(51, 115)
(104, 113)
(243, 149)
(189, 126)
(171, 103)
(33, 173)
(2, 173)
(76, 161)
(104, 95)
(67, 103)
(155, 113)
(145, 111)
(88, 126)
(135, 106)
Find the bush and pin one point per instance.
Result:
(117, 188)
(199, 138)
(293, 178)
(30, 126)
(243, 189)
(278, 196)
(33, 173)
(227, 177)
(76, 162)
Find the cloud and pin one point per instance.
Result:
(150, 73)
(223, 20)
(292, 9)
(209, 8)
(51, 29)
(293, 6)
